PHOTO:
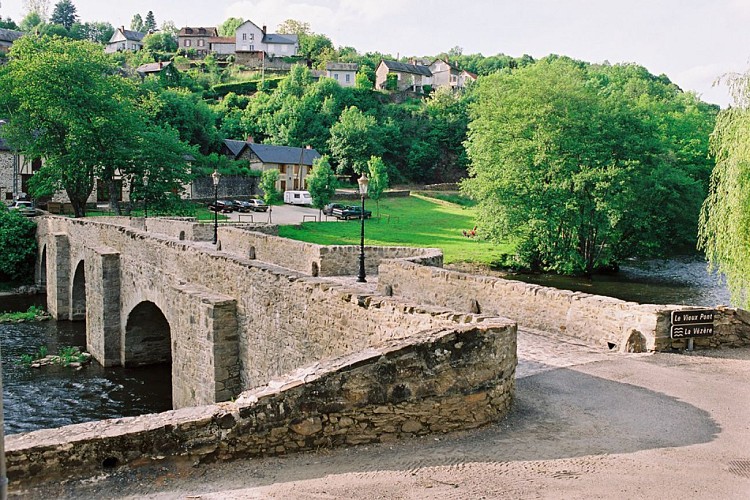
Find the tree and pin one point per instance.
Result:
(362, 81)
(64, 14)
(725, 215)
(321, 183)
(98, 32)
(136, 24)
(8, 24)
(354, 139)
(38, 7)
(30, 22)
(17, 245)
(229, 27)
(149, 24)
(68, 104)
(567, 166)
(291, 26)
(378, 173)
(268, 180)
(160, 41)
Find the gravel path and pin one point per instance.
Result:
(585, 424)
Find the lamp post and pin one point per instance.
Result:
(216, 176)
(363, 182)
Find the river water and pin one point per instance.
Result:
(40, 398)
(57, 396)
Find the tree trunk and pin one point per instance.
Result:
(114, 197)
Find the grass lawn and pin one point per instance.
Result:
(415, 222)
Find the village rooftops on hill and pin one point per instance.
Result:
(399, 67)
(268, 153)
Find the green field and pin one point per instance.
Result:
(414, 222)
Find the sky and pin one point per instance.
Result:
(693, 42)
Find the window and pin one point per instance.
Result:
(244, 36)
(348, 77)
(187, 43)
(252, 47)
(336, 76)
(252, 37)
(200, 43)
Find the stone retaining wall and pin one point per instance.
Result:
(437, 381)
(608, 322)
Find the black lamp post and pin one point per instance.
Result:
(216, 176)
(363, 182)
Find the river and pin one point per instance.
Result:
(40, 398)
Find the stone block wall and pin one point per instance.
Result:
(608, 322)
(437, 381)
(230, 186)
(6, 176)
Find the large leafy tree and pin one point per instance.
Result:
(136, 24)
(268, 180)
(378, 173)
(229, 27)
(38, 7)
(68, 104)
(99, 32)
(354, 139)
(17, 245)
(564, 163)
(725, 216)
(64, 14)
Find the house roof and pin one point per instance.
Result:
(133, 36)
(399, 67)
(10, 35)
(222, 39)
(269, 153)
(338, 66)
(469, 74)
(280, 38)
(198, 31)
(451, 66)
(152, 67)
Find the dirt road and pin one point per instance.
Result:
(585, 424)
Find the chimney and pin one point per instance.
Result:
(250, 139)
(308, 147)
(122, 28)
(264, 29)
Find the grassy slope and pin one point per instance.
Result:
(419, 223)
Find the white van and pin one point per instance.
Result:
(297, 197)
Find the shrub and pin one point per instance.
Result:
(17, 246)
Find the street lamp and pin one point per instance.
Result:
(216, 176)
(363, 182)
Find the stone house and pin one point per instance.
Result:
(444, 74)
(412, 77)
(123, 39)
(465, 78)
(198, 39)
(292, 163)
(7, 37)
(15, 171)
(250, 38)
(344, 73)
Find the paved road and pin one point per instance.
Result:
(586, 423)
(281, 214)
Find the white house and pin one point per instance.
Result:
(123, 39)
(343, 73)
(250, 38)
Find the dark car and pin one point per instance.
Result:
(328, 209)
(350, 212)
(258, 205)
(224, 206)
(243, 206)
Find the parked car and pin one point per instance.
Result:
(328, 209)
(224, 206)
(243, 206)
(258, 205)
(350, 212)
(25, 208)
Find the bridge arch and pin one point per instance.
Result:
(148, 336)
(78, 294)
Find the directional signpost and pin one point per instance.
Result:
(692, 323)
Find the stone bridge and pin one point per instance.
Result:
(227, 320)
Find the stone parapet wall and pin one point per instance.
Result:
(608, 322)
(437, 381)
(312, 259)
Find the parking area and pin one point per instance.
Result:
(282, 215)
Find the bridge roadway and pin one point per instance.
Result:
(585, 424)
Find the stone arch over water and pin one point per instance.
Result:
(148, 336)
(78, 294)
